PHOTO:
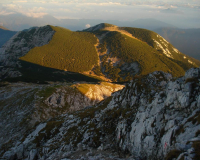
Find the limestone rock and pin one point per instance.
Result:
(19, 45)
(144, 120)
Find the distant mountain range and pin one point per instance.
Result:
(20, 22)
(103, 52)
(150, 24)
(5, 35)
(185, 40)
(1, 27)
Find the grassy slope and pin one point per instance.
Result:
(186, 40)
(71, 51)
(75, 51)
(131, 50)
(148, 36)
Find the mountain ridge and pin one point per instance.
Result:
(133, 33)
(20, 22)
(61, 114)
(186, 40)
(105, 50)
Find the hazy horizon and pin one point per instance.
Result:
(180, 13)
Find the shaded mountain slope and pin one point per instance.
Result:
(5, 35)
(18, 46)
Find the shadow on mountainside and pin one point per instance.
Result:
(38, 74)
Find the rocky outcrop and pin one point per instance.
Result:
(153, 117)
(19, 45)
(167, 125)
(23, 105)
(76, 99)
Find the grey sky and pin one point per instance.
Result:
(182, 12)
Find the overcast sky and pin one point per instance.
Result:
(184, 12)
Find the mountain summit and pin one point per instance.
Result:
(105, 51)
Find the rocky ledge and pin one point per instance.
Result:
(153, 117)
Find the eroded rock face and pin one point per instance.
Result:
(75, 100)
(19, 45)
(167, 123)
(153, 117)
(23, 105)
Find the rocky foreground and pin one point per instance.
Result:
(152, 117)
